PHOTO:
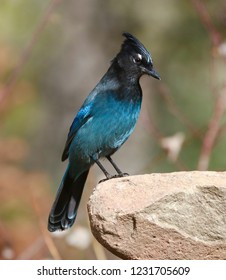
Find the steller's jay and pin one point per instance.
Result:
(103, 123)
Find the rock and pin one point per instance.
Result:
(179, 215)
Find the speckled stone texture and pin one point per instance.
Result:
(179, 215)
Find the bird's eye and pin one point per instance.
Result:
(137, 59)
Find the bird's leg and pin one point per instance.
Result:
(108, 176)
(120, 173)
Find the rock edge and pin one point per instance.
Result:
(180, 215)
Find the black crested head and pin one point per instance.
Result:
(134, 58)
(132, 44)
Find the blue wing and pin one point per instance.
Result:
(97, 100)
(80, 119)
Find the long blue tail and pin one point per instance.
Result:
(65, 206)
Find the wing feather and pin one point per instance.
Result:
(80, 119)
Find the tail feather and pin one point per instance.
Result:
(65, 206)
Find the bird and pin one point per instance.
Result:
(104, 122)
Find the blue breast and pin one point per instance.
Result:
(111, 122)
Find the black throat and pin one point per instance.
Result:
(125, 76)
(126, 83)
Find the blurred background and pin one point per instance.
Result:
(52, 54)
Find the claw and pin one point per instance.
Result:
(113, 176)
(123, 175)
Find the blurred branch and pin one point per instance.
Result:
(33, 249)
(220, 100)
(206, 20)
(8, 87)
(154, 131)
(175, 111)
(45, 234)
(212, 131)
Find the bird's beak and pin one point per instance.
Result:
(152, 72)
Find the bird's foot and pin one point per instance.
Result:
(113, 176)
(107, 178)
(122, 175)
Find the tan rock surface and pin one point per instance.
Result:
(179, 215)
